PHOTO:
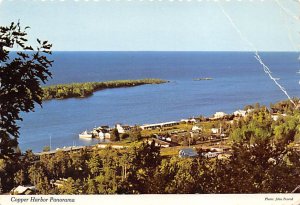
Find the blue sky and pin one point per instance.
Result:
(271, 25)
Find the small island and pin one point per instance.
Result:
(198, 79)
(81, 90)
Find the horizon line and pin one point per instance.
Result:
(265, 51)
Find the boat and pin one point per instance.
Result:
(196, 79)
(86, 134)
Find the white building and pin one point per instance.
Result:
(210, 154)
(107, 135)
(23, 190)
(215, 130)
(169, 139)
(101, 135)
(191, 120)
(159, 143)
(276, 116)
(196, 128)
(241, 113)
(250, 110)
(120, 129)
(219, 115)
(159, 125)
(187, 152)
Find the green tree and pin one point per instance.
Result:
(109, 177)
(135, 134)
(20, 79)
(256, 128)
(124, 136)
(91, 186)
(38, 177)
(182, 176)
(94, 164)
(79, 168)
(143, 159)
(285, 132)
(46, 149)
(20, 177)
(260, 168)
(71, 186)
(115, 136)
(7, 170)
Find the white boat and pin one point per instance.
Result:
(85, 134)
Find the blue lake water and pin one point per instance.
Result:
(238, 80)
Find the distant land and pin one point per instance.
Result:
(198, 79)
(81, 90)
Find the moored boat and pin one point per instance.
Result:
(86, 134)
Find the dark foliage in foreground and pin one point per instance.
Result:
(20, 79)
(261, 168)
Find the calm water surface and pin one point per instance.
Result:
(238, 80)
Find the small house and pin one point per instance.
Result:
(168, 139)
(107, 135)
(196, 129)
(159, 143)
(275, 117)
(23, 190)
(190, 120)
(240, 113)
(218, 115)
(214, 130)
(210, 154)
(101, 135)
(120, 129)
(187, 152)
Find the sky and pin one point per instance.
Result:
(144, 25)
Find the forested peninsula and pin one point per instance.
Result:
(81, 90)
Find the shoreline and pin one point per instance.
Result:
(173, 127)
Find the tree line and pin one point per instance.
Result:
(80, 90)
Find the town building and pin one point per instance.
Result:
(219, 115)
(215, 130)
(187, 152)
(240, 113)
(190, 120)
(159, 143)
(196, 129)
(23, 190)
(159, 125)
(122, 128)
(275, 117)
